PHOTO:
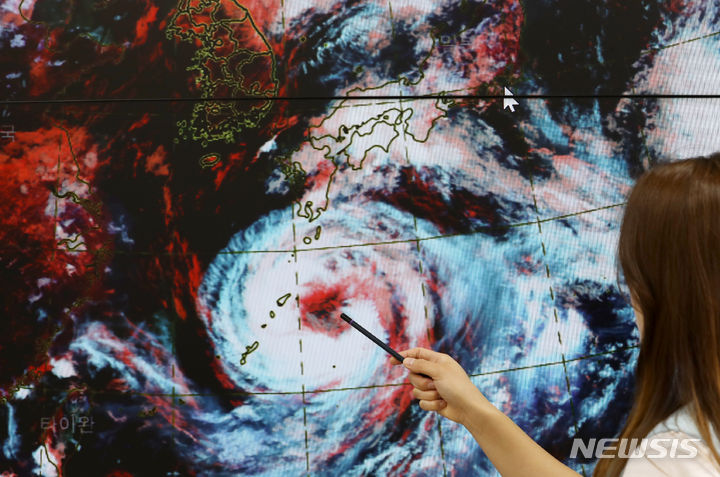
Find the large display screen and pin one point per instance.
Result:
(193, 191)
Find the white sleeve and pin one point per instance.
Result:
(672, 464)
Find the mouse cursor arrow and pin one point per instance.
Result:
(508, 101)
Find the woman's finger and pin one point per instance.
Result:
(435, 405)
(422, 353)
(426, 395)
(404, 354)
(421, 382)
(423, 366)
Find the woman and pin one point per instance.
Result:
(669, 251)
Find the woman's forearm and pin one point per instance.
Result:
(442, 385)
(511, 451)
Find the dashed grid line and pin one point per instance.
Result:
(552, 296)
(297, 281)
(554, 307)
(302, 364)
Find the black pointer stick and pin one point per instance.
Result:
(362, 330)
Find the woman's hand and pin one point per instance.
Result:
(447, 389)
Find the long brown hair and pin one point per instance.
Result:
(669, 251)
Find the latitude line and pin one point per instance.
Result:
(476, 231)
(683, 42)
(616, 351)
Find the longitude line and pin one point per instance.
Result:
(302, 370)
(548, 275)
(297, 280)
(419, 254)
(552, 299)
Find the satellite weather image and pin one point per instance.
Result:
(194, 190)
